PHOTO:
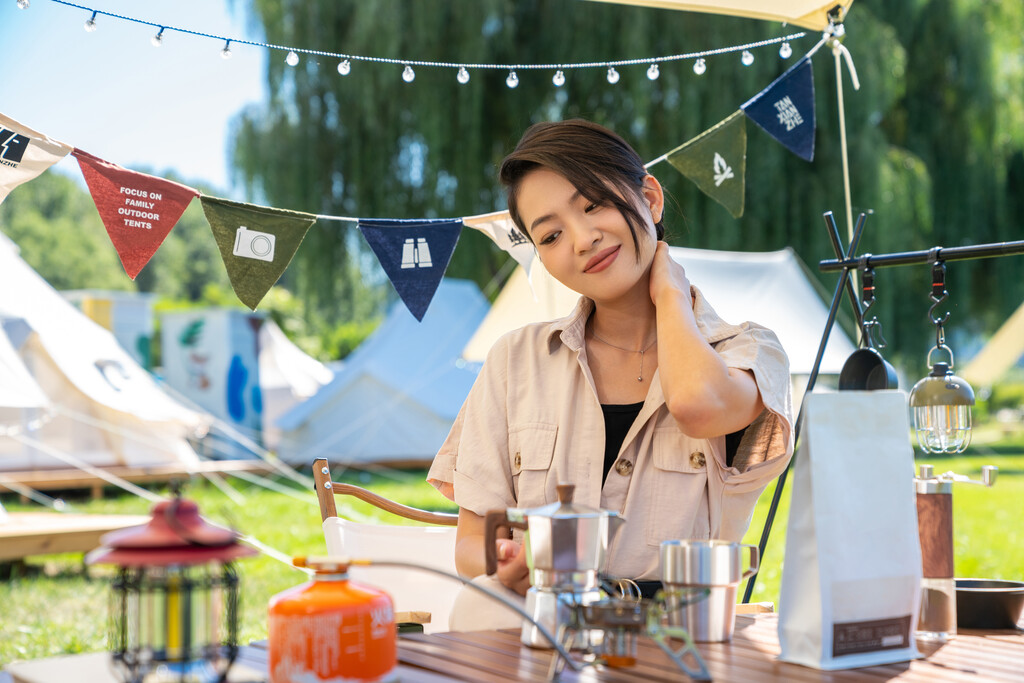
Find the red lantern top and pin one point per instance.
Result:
(175, 535)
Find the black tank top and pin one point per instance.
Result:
(618, 418)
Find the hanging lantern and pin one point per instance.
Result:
(942, 411)
(941, 402)
(174, 601)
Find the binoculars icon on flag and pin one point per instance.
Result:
(416, 253)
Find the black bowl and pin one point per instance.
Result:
(988, 604)
(867, 370)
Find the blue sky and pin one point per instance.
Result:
(113, 94)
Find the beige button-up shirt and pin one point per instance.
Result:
(533, 420)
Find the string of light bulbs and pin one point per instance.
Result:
(345, 61)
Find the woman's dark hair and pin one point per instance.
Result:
(599, 163)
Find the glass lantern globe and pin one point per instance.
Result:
(941, 405)
(174, 599)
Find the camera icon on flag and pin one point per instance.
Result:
(254, 244)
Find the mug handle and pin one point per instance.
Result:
(494, 520)
(755, 561)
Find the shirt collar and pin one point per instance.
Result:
(570, 330)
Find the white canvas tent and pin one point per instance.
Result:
(288, 376)
(398, 393)
(770, 288)
(102, 407)
(1001, 352)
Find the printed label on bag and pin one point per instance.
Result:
(853, 637)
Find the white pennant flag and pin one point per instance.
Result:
(500, 228)
(24, 154)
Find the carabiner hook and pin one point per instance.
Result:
(868, 300)
(938, 293)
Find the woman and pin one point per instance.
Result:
(642, 397)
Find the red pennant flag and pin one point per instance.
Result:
(138, 210)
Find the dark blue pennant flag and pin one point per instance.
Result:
(785, 109)
(414, 254)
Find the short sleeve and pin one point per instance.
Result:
(770, 436)
(472, 465)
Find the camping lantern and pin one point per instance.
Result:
(941, 402)
(174, 601)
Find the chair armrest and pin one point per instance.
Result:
(391, 506)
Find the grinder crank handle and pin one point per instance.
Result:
(494, 520)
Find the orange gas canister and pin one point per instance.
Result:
(331, 630)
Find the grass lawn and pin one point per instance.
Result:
(53, 605)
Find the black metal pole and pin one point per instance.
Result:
(905, 258)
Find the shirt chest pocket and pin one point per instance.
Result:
(679, 492)
(531, 450)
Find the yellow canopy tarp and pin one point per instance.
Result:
(806, 13)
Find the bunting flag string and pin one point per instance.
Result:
(25, 154)
(785, 109)
(716, 161)
(500, 228)
(414, 254)
(138, 210)
(258, 243)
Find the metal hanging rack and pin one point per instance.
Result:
(844, 263)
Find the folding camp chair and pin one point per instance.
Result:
(420, 596)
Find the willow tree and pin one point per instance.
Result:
(370, 144)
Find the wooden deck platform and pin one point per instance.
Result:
(63, 479)
(41, 533)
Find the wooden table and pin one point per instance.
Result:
(38, 533)
(497, 656)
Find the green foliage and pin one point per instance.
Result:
(59, 231)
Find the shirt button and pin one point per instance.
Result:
(624, 467)
(518, 462)
(697, 459)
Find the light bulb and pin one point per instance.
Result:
(463, 75)
(747, 58)
(653, 72)
(292, 59)
(226, 52)
(23, 4)
(158, 39)
(90, 25)
(613, 75)
(785, 50)
(512, 80)
(699, 67)
(408, 75)
(344, 67)
(558, 79)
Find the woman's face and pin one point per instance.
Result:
(586, 246)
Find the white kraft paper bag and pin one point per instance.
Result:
(851, 579)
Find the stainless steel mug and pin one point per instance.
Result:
(715, 566)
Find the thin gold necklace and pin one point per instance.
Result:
(640, 374)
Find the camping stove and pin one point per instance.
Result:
(613, 625)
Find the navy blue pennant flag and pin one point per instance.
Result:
(785, 109)
(414, 254)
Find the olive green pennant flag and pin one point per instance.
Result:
(716, 161)
(256, 243)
